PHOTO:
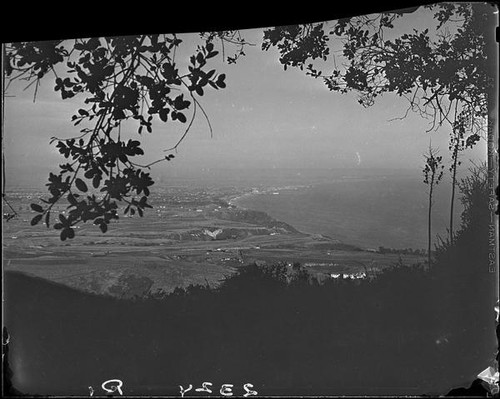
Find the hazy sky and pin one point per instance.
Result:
(265, 118)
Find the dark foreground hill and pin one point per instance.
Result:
(286, 336)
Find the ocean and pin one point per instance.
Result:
(364, 208)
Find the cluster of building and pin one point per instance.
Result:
(351, 276)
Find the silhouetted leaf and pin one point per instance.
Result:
(199, 90)
(220, 81)
(103, 227)
(36, 208)
(210, 73)
(96, 181)
(72, 199)
(181, 117)
(80, 184)
(70, 233)
(67, 233)
(199, 58)
(164, 114)
(36, 220)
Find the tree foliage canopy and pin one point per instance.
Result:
(130, 78)
(444, 74)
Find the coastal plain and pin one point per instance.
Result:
(191, 236)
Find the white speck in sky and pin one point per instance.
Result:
(359, 157)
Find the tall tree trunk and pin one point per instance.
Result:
(453, 185)
(430, 225)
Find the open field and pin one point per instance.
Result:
(192, 236)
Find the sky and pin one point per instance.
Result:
(265, 118)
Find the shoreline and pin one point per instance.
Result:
(234, 201)
(311, 224)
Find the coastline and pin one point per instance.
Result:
(276, 190)
(234, 201)
(368, 213)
